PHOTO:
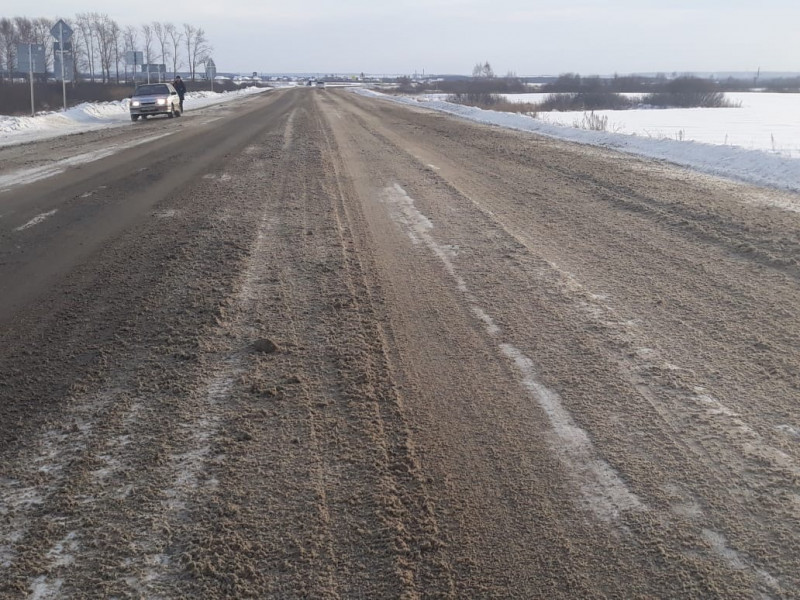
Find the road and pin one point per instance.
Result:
(317, 345)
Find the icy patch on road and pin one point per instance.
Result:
(63, 552)
(603, 490)
(491, 326)
(288, 133)
(27, 176)
(750, 442)
(41, 589)
(45, 465)
(403, 212)
(607, 493)
(36, 220)
(719, 545)
(417, 227)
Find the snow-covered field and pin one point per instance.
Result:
(90, 116)
(768, 122)
(758, 143)
(764, 121)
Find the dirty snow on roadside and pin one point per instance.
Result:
(751, 166)
(91, 116)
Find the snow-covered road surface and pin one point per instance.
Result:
(330, 346)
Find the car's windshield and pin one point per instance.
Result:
(148, 90)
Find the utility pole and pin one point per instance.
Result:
(30, 72)
(61, 49)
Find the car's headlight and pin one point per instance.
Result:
(161, 101)
(135, 103)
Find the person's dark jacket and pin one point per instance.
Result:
(180, 87)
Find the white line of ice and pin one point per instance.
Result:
(604, 492)
(491, 326)
(27, 176)
(719, 545)
(602, 487)
(36, 220)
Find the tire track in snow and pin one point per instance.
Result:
(48, 462)
(602, 490)
(185, 469)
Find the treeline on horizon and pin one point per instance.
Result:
(99, 45)
(485, 81)
(571, 92)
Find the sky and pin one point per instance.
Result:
(527, 37)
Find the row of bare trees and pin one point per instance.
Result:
(99, 45)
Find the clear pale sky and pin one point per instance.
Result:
(449, 36)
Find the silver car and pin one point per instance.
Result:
(155, 99)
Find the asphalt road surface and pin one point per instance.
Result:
(316, 345)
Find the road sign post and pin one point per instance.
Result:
(134, 57)
(31, 58)
(211, 71)
(62, 32)
(30, 64)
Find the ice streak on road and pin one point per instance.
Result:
(27, 176)
(607, 494)
(603, 491)
(36, 220)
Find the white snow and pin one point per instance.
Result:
(763, 121)
(762, 118)
(36, 220)
(92, 116)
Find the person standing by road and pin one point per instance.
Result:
(180, 87)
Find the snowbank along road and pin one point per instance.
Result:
(316, 345)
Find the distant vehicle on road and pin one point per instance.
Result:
(320, 84)
(155, 99)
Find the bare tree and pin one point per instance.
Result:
(41, 35)
(483, 70)
(24, 28)
(104, 28)
(175, 40)
(116, 34)
(147, 47)
(130, 41)
(197, 47)
(189, 31)
(23, 34)
(7, 41)
(86, 32)
(162, 37)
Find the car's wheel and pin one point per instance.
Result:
(134, 117)
(171, 112)
(144, 117)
